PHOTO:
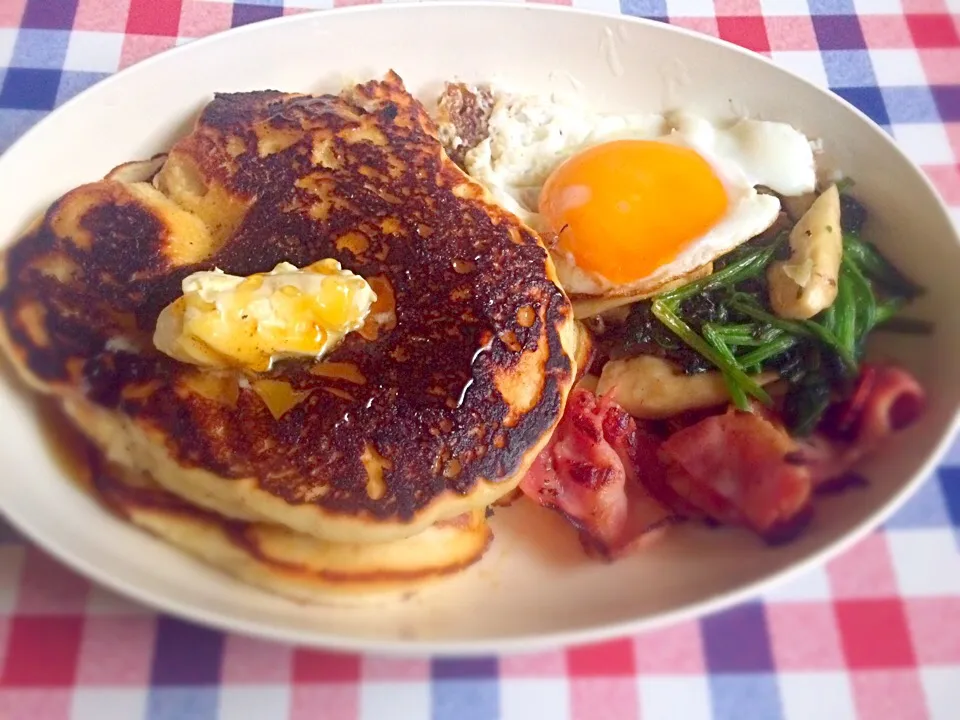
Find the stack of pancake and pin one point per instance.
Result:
(368, 471)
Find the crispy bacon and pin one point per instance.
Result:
(619, 483)
(739, 468)
(590, 472)
(887, 399)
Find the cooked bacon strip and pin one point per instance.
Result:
(739, 468)
(617, 482)
(657, 472)
(887, 399)
(590, 473)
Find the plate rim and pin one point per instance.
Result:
(509, 643)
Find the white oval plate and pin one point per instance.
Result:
(534, 588)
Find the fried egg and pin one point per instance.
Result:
(630, 203)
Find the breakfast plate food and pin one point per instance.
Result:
(558, 343)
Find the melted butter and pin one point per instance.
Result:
(339, 371)
(279, 396)
(224, 389)
(68, 447)
(337, 392)
(526, 316)
(226, 320)
(383, 312)
(374, 463)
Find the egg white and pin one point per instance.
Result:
(530, 136)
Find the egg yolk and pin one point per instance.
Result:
(625, 208)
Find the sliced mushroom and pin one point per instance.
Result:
(796, 206)
(652, 388)
(602, 323)
(806, 282)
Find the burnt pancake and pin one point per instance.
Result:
(291, 564)
(272, 557)
(436, 407)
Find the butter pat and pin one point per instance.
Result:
(226, 320)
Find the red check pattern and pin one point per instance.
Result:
(875, 635)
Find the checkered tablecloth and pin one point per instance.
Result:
(875, 635)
